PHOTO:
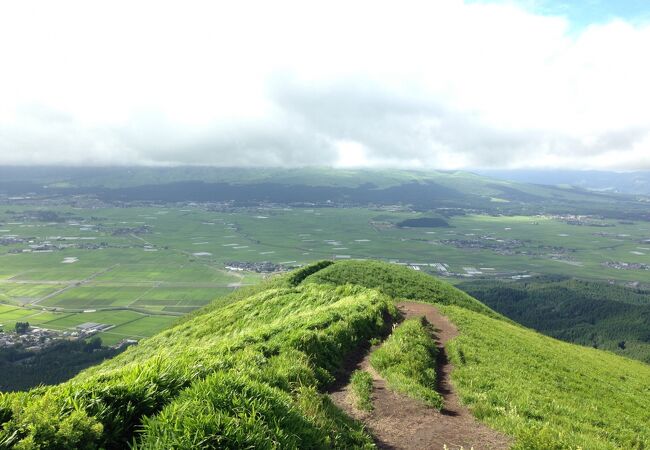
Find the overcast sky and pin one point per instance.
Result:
(434, 83)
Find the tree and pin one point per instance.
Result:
(22, 327)
(93, 343)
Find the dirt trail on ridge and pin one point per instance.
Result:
(399, 422)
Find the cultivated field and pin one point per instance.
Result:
(139, 268)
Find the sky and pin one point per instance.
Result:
(442, 84)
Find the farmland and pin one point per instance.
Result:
(156, 263)
(98, 267)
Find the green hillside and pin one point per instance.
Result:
(398, 282)
(252, 372)
(595, 314)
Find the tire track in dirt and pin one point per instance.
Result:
(399, 422)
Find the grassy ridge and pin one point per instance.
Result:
(546, 393)
(249, 372)
(270, 351)
(397, 282)
(407, 361)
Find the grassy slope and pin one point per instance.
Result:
(249, 374)
(547, 393)
(397, 282)
(270, 352)
(594, 314)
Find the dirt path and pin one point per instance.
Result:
(398, 422)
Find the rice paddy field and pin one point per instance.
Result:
(139, 268)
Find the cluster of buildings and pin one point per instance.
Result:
(259, 267)
(582, 220)
(34, 339)
(11, 240)
(621, 265)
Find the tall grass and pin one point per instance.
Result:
(297, 276)
(397, 282)
(548, 394)
(283, 344)
(407, 360)
(361, 390)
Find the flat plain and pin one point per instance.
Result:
(139, 268)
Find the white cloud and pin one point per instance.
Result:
(412, 83)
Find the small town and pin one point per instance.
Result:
(35, 339)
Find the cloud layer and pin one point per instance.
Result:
(414, 83)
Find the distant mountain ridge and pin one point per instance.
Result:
(635, 182)
(422, 190)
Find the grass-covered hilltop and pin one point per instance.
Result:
(253, 370)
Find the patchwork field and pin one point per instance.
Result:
(99, 267)
(158, 262)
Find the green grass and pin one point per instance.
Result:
(407, 360)
(27, 291)
(106, 317)
(179, 296)
(17, 314)
(595, 314)
(397, 282)
(42, 318)
(6, 308)
(259, 361)
(361, 390)
(546, 393)
(250, 370)
(9, 317)
(168, 273)
(89, 297)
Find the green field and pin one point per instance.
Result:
(16, 314)
(141, 327)
(101, 260)
(89, 262)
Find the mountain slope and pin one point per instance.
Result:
(252, 374)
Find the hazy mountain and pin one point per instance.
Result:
(622, 182)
